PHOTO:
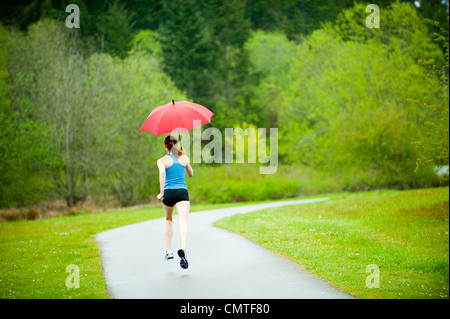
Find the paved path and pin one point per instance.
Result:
(222, 265)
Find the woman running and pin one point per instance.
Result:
(174, 192)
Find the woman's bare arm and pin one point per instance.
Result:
(185, 160)
(189, 170)
(162, 178)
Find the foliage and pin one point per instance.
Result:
(202, 44)
(243, 182)
(116, 26)
(25, 145)
(56, 75)
(364, 121)
(93, 109)
(434, 146)
(122, 94)
(72, 100)
(186, 41)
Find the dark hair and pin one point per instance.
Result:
(169, 142)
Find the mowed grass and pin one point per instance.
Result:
(34, 254)
(404, 233)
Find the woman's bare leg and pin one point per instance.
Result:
(183, 214)
(168, 227)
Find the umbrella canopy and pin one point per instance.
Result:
(176, 117)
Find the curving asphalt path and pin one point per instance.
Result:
(222, 265)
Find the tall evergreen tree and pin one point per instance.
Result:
(116, 27)
(230, 31)
(187, 46)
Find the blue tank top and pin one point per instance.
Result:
(175, 175)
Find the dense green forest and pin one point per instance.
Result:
(366, 107)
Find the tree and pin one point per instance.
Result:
(25, 144)
(436, 10)
(116, 26)
(434, 147)
(230, 30)
(271, 55)
(187, 46)
(294, 18)
(50, 58)
(346, 108)
(84, 114)
(203, 48)
(122, 94)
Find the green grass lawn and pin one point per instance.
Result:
(404, 233)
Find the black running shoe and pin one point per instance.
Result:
(183, 262)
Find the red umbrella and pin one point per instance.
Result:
(176, 117)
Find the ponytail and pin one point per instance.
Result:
(169, 143)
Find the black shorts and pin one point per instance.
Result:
(173, 196)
